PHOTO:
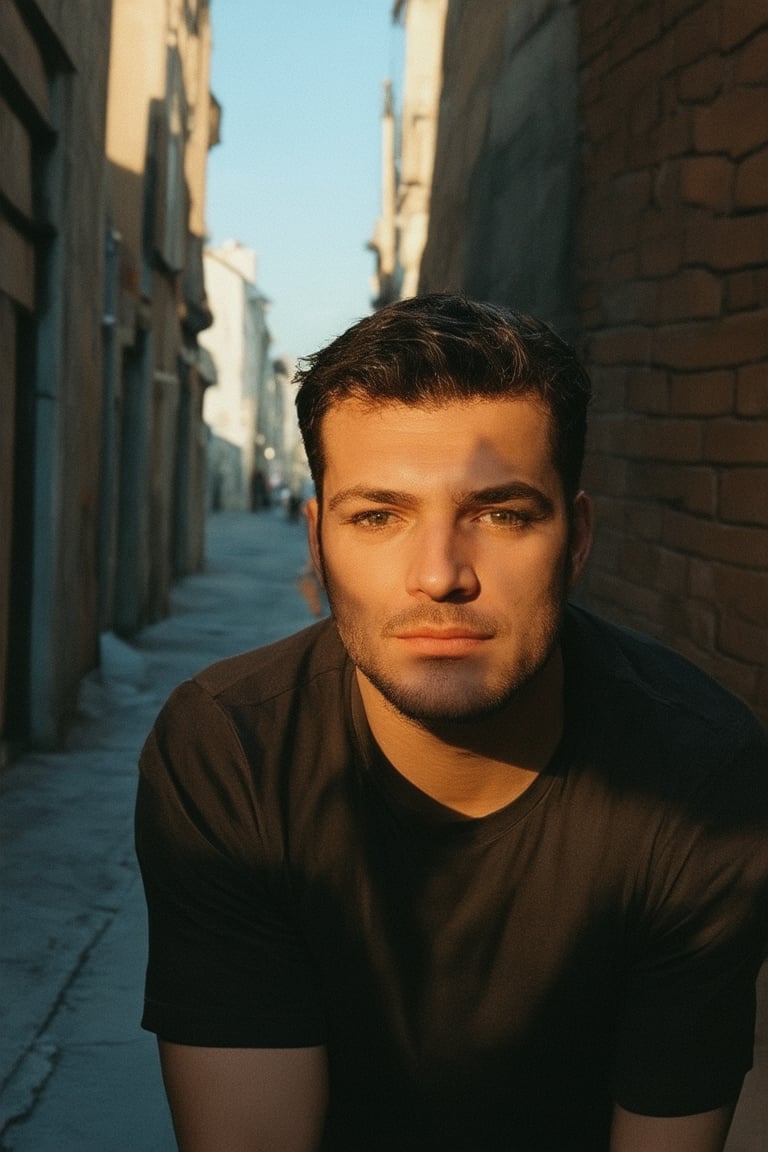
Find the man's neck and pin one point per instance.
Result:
(480, 766)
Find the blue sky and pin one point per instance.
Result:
(297, 174)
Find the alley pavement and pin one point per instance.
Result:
(77, 1074)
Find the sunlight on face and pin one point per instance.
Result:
(446, 550)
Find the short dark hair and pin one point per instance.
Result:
(441, 348)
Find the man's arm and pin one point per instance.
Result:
(245, 1099)
(704, 1132)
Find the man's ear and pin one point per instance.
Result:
(312, 513)
(581, 536)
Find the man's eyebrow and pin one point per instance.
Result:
(371, 496)
(505, 493)
(495, 494)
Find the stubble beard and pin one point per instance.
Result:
(440, 697)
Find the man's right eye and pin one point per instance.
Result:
(372, 518)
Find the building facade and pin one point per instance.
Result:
(161, 122)
(408, 155)
(606, 167)
(238, 343)
(105, 124)
(53, 82)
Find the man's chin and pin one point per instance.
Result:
(430, 706)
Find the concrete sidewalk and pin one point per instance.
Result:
(77, 1074)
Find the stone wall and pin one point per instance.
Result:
(52, 85)
(503, 204)
(674, 313)
(604, 164)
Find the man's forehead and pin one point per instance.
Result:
(475, 443)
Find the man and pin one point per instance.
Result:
(463, 868)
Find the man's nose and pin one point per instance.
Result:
(441, 564)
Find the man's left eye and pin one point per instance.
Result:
(376, 518)
(505, 516)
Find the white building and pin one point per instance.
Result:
(408, 157)
(238, 342)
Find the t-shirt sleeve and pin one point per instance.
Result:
(227, 964)
(687, 1024)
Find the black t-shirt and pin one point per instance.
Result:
(480, 984)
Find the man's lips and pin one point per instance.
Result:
(441, 641)
(425, 632)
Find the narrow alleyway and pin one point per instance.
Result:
(76, 1072)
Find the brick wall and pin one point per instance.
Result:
(673, 258)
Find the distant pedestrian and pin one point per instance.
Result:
(259, 492)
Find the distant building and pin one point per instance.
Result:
(408, 156)
(53, 78)
(105, 120)
(161, 122)
(238, 342)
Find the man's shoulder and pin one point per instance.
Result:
(629, 666)
(284, 666)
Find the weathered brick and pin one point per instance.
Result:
(702, 394)
(631, 193)
(751, 187)
(620, 346)
(735, 544)
(742, 591)
(744, 496)
(737, 442)
(596, 24)
(643, 520)
(658, 439)
(689, 488)
(637, 605)
(648, 392)
(701, 80)
(752, 390)
(660, 255)
(601, 435)
(641, 69)
(698, 33)
(645, 111)
(701, 578)
(640, 29)
(638, 560)
(610, 472)
(740, 19)
(610, 391)
(751, 66)
(735, 123)
(690, 295)
(671, 574)
(706, 180)
(727, 242)
(675, 134)
(742, 640)
(672, 10)
(622, 266)
(742, 291)
(700, 624)
(631, 302)
(738, 339)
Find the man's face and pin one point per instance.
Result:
(447, 549)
